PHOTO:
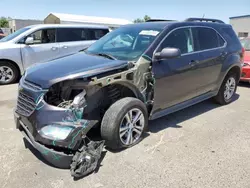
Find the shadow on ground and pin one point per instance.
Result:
(173, 120)
(244, 84)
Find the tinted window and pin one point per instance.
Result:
(44, 36)
(96, 34)
(180, 39)
(79, 34)
(1, 31)
(205, 38)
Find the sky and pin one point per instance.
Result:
(126, 9)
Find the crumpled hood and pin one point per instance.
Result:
(70, 67)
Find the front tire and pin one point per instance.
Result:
(124, 123)
(227, 89)
(8, 73)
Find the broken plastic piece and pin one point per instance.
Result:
(85, 161)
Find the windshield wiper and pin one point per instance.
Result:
(106, 55)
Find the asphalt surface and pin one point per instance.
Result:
(205, 145)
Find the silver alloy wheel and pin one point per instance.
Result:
(6, 74)
(229, 88)
(131, 126)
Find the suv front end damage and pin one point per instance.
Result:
(56, 121)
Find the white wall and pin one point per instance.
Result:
(16, 24)
(241, 25)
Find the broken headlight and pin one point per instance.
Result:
(55, 132)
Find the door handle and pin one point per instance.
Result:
(65, 47)
(223, 54)
(54, 48)
(193, 63)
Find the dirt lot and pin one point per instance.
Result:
(203, 146)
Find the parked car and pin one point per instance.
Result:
(245, 76)
(42, 43)
(162, 67)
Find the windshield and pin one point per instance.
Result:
(125, 43)
(14, 35)
(246, 43)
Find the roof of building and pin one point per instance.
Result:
(243, 16)
(90, 19)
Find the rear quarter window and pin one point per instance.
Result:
(230, 36)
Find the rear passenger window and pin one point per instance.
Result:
(205, 38)
(96, 34)
(79, 34)
(181, 39)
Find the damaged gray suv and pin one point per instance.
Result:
(136, 73)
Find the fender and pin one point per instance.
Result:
(231, 62)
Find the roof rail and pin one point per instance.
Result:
(203, 20)
(159, 20)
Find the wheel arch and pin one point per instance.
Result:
(234, 68)
(132, 88)
(13, 63)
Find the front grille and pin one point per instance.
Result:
(25, 104)
(31, 86)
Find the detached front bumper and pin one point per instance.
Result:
(58, 159)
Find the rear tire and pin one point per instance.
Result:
(124, 123)
(8, 73)
(227, 89)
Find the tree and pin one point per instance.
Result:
(4, 22)
(139, 20)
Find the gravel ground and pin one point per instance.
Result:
(205, 145)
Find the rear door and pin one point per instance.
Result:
(72, 40)
(42, 50)
(211, 49)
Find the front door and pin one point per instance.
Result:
(43, 49)
(175, 79)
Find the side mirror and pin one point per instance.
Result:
(29, 40)
(168, 53)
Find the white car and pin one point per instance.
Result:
(43, 43)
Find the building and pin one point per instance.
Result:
(241, 25)
(15, 24)
(58, 18)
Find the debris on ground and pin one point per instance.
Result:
(85, 160)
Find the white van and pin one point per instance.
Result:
(43, 43)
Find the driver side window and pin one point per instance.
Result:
(44, 36)
(181, 39)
